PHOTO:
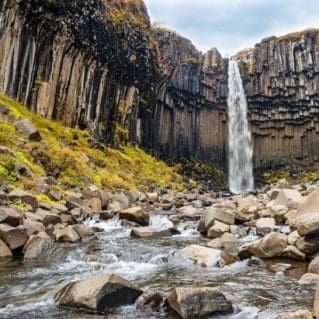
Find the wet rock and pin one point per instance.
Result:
(309, 279)
(217, 229)
(13, 237)
(227, 258)
(314, 266)
(98, 294)
(10, 216)
(44, 249)
(84, 231)
(289, 197)
(227, 242)
(188, 210)
(293, 252)
(135, 214)
(308, 245)
(26, 127)
(299, 314)
(198, 302)
(149, 302)
(5, 252)
(265, 225)
(280, 267)
(270, 246)
(144, 232)
(67, 234)
(197, 255)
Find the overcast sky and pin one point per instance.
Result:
(232, 25)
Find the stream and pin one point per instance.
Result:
(27, 290)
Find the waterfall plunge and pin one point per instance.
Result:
(240, 150)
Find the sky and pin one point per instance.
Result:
(233, 25)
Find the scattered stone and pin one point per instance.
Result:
(25, 197)
(135, 214)
(48, 217)
(4, 110)
(55, 195)
(98, 294)
(279, 212)
(306, 224)
(291, 198)
(217, 229)
(26, 127)
(10, 216)
(144, 232)
(67, 234)
(280, 267)
(84, 231)
(197, 255)
(308, 245)
(265, 225)
(213, 213)
(293, 252)
(5, 252)
(95, 204)
(13, 237)
(33, 227)
(198, 302)
(293, 237)
(60, 208)
(152, 197)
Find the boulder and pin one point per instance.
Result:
(293, 252)
(265, 225)
(60, 208)
(135, 214)
(98, 294)
(279, 212)
(84, 231)
(55, 195)
(217, 229)
(309, 204)
(13, 237)
(26, 127)
(5, 252)
(291, 198)
(67, 234)
(314, 266)
(95, 204)
(308, 245)
(309, 279)
(25, 197)
(144, 232)
(33, 227)
(272, 245)
(48, 217)
(227, 242)
(10, 216)
(43, 249)
(299, 314)
(214, 213)
(306, 224)
(197, 255)
(199, 302)
(293, 237)
(122, 199)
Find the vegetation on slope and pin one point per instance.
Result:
(74, 157)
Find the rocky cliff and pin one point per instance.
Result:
(82, 62)
(99, 64)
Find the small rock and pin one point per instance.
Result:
(144, 232)
(213, 213)
(293, 252)
(149, 302)
(280, 267)
(10, 216)
(5, 252)
(265, 225)
(217, 229)
(135, 214)
(26, 127)
(67, 234)
(48, 217)
(13, 237)
(55, 195)
(25, 197)
(95, 204)
(33, 227)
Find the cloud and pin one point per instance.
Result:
(232, 25)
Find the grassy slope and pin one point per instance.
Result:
(69, 150)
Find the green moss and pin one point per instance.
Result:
(69, 150)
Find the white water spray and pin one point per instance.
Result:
(240, 147)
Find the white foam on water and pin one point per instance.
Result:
(188, 229)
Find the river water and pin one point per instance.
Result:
(27, 291)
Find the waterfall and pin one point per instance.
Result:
(240, 150)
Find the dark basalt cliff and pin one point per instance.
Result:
(98, 63)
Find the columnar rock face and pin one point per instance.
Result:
(99, 64)
(82, 62)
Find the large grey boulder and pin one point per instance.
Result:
(13, 237)
(10, 216)
(98, 294)
(43, 249)
(199, 302)
(26, 127)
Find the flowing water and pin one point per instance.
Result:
(240, 150)
(27, 290)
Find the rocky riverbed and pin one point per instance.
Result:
(160, 254)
